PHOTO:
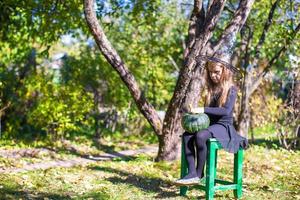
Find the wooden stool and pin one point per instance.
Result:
(211, 170)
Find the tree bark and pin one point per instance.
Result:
(244, 115)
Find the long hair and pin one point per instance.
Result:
(223, 87)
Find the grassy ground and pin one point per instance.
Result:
(269, 173)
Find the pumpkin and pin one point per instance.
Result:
(194, 122)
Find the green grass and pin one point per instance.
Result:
(265, 131)
(67, 149)
(269, 173)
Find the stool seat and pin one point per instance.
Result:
(211, 181)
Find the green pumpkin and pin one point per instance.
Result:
(194, 122)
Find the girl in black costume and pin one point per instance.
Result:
(219, 107)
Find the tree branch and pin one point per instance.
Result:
(248, 41)
(210, 2)
(173, 63)
(236, 23)
(230, 8)
(197, 6)
(196, 21)
(213, 14)
(264, 32)
(116, 62)
(4, 108)
(274, 59)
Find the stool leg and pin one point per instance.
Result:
(183, 171)
(238, 173)
(210, 172)
(216, 161)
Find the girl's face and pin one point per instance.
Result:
(215, 71)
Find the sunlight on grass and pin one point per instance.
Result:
(268, 174)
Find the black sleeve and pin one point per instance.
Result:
(228, 106)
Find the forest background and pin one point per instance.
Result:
(56, 86)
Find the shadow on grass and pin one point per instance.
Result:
(109, 149)
(7, 193)
(147, 184)
(164, 189)
(272, 143)
(109, 152)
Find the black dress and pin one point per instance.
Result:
(221, 123)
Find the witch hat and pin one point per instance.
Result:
(223, 55)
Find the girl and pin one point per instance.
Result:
(219, 107)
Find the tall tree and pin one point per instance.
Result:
(202, 25)
(287, 31)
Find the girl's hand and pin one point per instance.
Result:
(197, 110)
(190, 107)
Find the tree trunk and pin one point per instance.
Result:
(297, 133)
(296, 106)
(296, 95)
(119, 66)
(244, 115)
(244, 118)
(169, 144)
(193, 94)
(97, 111)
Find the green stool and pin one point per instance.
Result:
(210, 185)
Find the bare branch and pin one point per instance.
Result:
(173, 63)
(209, 4)
(229, 9)
(116, 62)
(197, 6)
(248, 41)
(205, 25)
(274, 59)
(213, 13)
(196, 22)
(236, 23)
(4, 108)
(264, 32)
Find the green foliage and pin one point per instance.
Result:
(55, 109)
(286, 17)
(148, 41)
(266, 113)
(59, 108)
(25, 27)
(265, 130)
(281, 29)
(32, 23)
(148, 35)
